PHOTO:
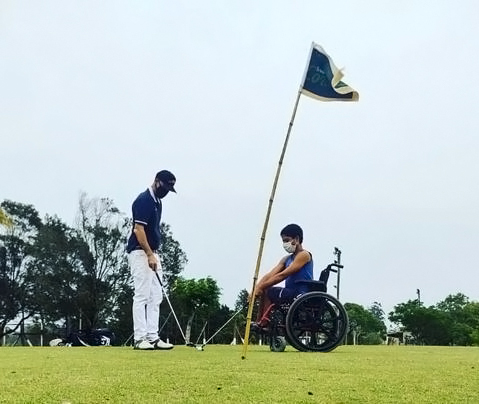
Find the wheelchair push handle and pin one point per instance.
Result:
(338, 266)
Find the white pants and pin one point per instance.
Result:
(147, 298)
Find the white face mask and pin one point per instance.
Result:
(289, 247)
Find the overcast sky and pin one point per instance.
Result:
(99, 96)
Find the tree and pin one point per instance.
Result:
(15, 251)
(219, 318)
(173, 258)
(427, 325)
(376, 334)
(377, 311)
(121, 320)
(55, 272)
(243, 303)
(198, 297)
(242, 300)
(365, 325)
(453, 304)
(463, 317)
(453, 321)
(472, 314)
(241, 307)
(103, 230)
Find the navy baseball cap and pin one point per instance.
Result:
(168, 179)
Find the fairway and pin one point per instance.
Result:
(350, 374)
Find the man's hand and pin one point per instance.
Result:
(258, 291)
(153, 262)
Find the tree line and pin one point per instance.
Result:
(56, 279)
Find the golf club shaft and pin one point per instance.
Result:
(223, 326)
(201, 333)
(164, 323)
(171, 307)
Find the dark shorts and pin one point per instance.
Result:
(281, 295)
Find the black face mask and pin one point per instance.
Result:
(161, 192)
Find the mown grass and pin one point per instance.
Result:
(350, 374)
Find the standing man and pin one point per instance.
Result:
(142, 249)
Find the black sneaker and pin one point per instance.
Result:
(255, 327)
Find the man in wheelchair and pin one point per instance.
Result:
(294, 267)
(302, 313)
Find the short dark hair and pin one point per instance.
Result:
(292, 230)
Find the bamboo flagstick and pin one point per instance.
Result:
(265, 227)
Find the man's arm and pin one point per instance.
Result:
(278, 276)
(264, 282)
(140, 234)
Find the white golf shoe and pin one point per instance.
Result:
(159, 344)
(143, 345)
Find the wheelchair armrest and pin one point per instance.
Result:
(313, 286)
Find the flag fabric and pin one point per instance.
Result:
(322, 79)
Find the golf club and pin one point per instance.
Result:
(172, 310)
(202, 346)
(190, 344)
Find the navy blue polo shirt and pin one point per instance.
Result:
(146, 210)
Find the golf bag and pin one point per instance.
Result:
(93, 337)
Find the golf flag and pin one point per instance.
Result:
(322, 79)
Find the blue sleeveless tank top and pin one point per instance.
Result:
(305, 273)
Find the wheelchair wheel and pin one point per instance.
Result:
(277, 340)
(277, 344)
(316, 322)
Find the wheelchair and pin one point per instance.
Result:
(313, 321)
